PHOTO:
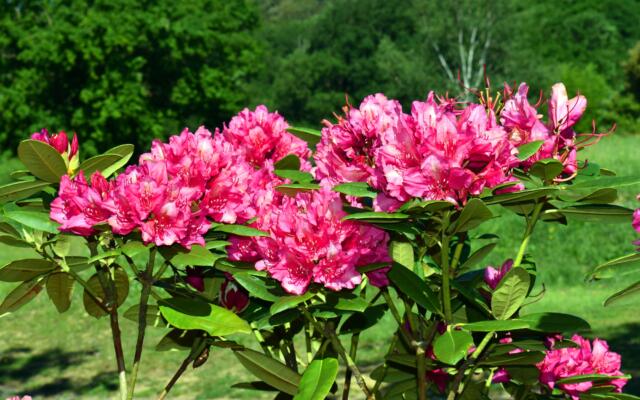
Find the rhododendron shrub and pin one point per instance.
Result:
(302, 239)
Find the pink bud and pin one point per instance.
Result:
(74, 146)
(42, 136)
(233, 297)
(60, 142)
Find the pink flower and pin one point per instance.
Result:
(59, 141)
(309, 242)
(261, 136)
(233, 297)
(501, 376)
(521, 119)
(571, 361)
(493, 276)
(79, 206)
(565, 113)
(19, 398)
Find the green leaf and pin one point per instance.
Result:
(510, 293)
(42, 160)
(124, 151)
(609, 182)
(376, 217)
(178, 339)
(317, 379)
(546, 169)
(402, 253)
(359, 322)
(33, 219)
(452, 346)
(11, 241)
(555, 322)
(197, 256)
(311, 136)
(291, 189)
(153, 315)
(257, 287)
(98, 163)
(287, 302)
(290, 162)
(21, 190)
(216, 244)
(21, 295)
(611, 268)
(295, 176)
(59, 288)
(356, 189)
(496, 325)
(631, 290)
(24, 270)
(121, 281)
(477, 256)
(602, 213)
(240, 230)
(192, 314)
(472, 215)
(269, 370)
(416, 206)
(595, 378)
(524, 358)
(410, 284)
(523, 195)
(528, 149)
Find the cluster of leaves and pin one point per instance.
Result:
(138, 69)
(448, 319)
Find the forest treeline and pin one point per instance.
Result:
(125, 70)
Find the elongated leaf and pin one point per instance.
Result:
(42, 160)
(21, 295)
(416, 206)
(402, 253)
(546, 169)
(295, 176)
(153, 315)
(377, 217)
(510, 293)
(291, 189)
(257, 287)
(21, 190)
(192, 314)
(496, 325)
(11, 241)
(291, 162)
(523, 195)
(356, 189)
(98, 163)
(178, 339)
(317, 379)
(24, 270)
(477, 256)
(472, 215)
(33, 219)
(608, 181)
(59, 289)
(555, 322)
(613, 267)
(595, 378)
(632, 290)
(452, 346)
(410, 284)
(603, 213)
(197, 256)
(528, 149)
(269, 370)
(287, 302)
(359, 322)
(311, 136)
(240, 230)
(524, 358)
(125, 151)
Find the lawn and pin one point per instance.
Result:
(53, 355)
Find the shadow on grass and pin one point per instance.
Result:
(625, 340)
(40, 374)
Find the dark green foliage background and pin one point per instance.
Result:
(129, 71)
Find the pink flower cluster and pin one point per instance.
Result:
(309, 242)
(440, 151)
(523, 124)
(585, 359)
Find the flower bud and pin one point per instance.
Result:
(233, 297)
(195, 278)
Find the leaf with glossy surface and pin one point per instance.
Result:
(311, 136)
(546, 169)
(555, 322)
(269, 370)
(415, 288)
(402, 253)
(611, 268)
(295, 176)
(98, 163)
(240, 230)
(290, 162)
(602, 213)
(496, 325)
(632, 290)
(257, 287)
(192, 314)
(609, 182)
(510, 293)
(292, 189)
(42, 160)
(452, 346)
(59, 289)
(356, 189)
(287, 302)
(596, 378)
(21, 190)
(153, 315)
(124, 151)
(528, 149)
(33, 219)
(376, 217)
(197, 256)
(317, 379)
(23, 270)
(21, 295)
(473, 214)
(121, 282)
(359, 322)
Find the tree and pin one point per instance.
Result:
(123, 70)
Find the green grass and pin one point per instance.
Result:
(69, 355)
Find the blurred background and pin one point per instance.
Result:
(119, 71)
